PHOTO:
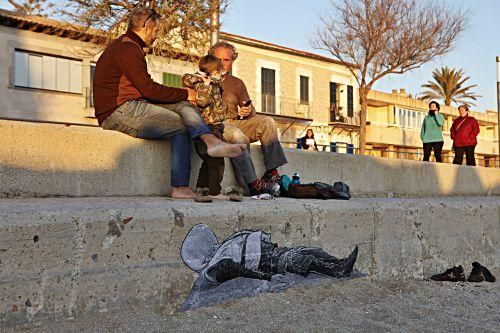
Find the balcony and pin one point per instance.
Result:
(283, 106)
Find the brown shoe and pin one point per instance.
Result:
(202, 195)
(235, 195)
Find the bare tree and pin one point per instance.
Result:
(185, 24)
(31, 7)
(381, 37)
(449, 86)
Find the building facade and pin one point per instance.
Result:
(47, 71)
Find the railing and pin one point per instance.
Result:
(347, 148)
(284, 106)
(89, 97)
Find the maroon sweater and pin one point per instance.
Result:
(464, 131)
(121, 74)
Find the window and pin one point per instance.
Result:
(333, 101)
(268, 84)
(304, 89)
(39, 71)
(171, 80)
(401, 118)
(350, 102)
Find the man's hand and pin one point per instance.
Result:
(191, 96)
(245, 111)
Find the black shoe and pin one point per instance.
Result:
(345, 266)
(453, 274)
(480, 273)
(350, 261)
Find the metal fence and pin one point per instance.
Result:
(348, 148)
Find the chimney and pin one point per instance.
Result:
(394, 91)
(402, 92)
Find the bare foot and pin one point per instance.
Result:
(182, 192)
(219, 148)
(223, 149)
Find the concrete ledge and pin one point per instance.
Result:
(53, 262)
(44, 160)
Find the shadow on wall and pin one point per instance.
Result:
(58, 160)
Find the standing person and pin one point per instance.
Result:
(125, 99)
(464, 133)
(308, 142)
(245, 126)
(431, 132)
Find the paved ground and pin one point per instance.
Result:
(361, 305)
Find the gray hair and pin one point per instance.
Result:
(139, 16)
(224, 45)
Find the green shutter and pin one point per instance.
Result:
(171, 80)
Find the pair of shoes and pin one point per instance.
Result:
(202, 195)
(454, 274)
(235, 194)
(480, 273)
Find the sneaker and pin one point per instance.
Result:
(453, 274)
(480, 273)
(258, 186)
(271, 176)
(202, 195)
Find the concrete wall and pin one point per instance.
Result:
(58, 160)
(54, 260)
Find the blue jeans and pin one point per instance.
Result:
(180, 122)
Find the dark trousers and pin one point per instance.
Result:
(469, 155)
(212, 169)
(437, 147)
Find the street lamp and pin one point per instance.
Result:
(214, 21)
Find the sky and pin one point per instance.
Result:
(293, 23)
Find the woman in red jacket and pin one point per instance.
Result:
(463, 133)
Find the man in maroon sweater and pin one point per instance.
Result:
(244, 125)
(126, 99)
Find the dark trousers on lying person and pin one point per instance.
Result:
(437, 147)
(469, 155)
(212, 168)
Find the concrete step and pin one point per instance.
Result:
(50, 160)
(56, 258)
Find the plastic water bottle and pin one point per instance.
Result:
(296, 178)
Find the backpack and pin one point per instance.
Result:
(319, 190)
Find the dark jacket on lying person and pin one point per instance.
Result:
(251, 254)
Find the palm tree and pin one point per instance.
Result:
(449, 86)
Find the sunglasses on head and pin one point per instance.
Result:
(153, 13)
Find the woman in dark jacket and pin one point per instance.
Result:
(308, 141)
(464, 133)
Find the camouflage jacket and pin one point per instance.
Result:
(208, 97)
